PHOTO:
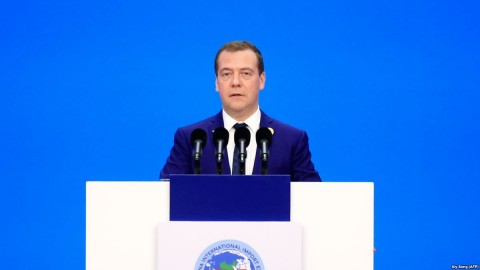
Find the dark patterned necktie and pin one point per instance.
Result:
(236, 161)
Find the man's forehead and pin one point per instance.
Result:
(243, 59)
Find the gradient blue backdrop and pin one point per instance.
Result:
(387, 91)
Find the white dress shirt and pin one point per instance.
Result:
(253, 123)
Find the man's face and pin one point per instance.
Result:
(239, 83)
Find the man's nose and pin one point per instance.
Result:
(235, 80)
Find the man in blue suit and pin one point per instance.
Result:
(240, 77)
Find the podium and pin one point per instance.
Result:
(122, 219)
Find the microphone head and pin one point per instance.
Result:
(221, 133)
(242, 134)
(264, 133)
(198, 134)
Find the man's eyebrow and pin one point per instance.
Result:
(230, 68)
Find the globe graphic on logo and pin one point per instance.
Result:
(229, 260)
(229, 255)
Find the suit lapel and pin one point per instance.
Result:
(265, 121)
(217, 121)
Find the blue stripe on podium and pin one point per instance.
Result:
(230, 198)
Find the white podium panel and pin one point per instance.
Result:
(336, 220)
(248, 245)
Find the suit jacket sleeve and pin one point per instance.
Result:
(179, 161)
(303, 168)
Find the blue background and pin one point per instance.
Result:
(388, 91)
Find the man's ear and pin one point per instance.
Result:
(263, 79)
(216, 85)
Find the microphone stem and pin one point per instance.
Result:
(197, 167)
(264, 167)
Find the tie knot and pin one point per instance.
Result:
(239, 125)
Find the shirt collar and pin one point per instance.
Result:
(253, 121)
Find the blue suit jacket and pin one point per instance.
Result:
(289, 151)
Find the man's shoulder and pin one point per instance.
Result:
(279, 125)
(205, 123)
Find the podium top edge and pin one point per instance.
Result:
(168, 180)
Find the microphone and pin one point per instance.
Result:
(264, 139)
(198, 139)
(220, 138)
(242, 140)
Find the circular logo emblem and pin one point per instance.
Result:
(229, 255)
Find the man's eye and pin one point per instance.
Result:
(226, 74)
(247, 74)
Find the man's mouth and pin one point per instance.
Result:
(236, 95)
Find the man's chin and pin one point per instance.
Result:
(240, 113)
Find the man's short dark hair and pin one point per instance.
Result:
(236, 46)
